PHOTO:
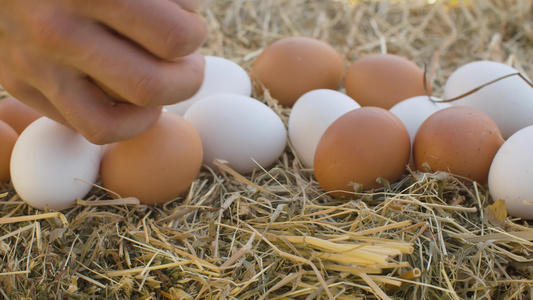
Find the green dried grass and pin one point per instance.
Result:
(274, 234)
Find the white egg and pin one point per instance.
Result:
(221, 76)
(238, 129)
(511, 174)
(509, 102)
(413, 112)
(53, 165)
(311, 115)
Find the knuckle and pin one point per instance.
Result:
(185, 37)
(21, 62)
(175, 40)
(149, 90)
(50, 35)
(9, 83)
(99, 135)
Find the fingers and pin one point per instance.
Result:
(89, 110)
(131, 73)
(76, 102)
(162, 27)
(123, 68)
(70, 60)
(31, 97)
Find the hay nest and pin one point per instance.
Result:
(274, 234)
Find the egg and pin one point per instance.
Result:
(52, 165)
(238, 129)
(156, 166)
(511, 174)
(414, 111)
(509, 102)
(458, 139)
(221, 76)
(384, 79)
(293, 66)
(359, 147)
(311, 115)
(8, 137)
(17, 114)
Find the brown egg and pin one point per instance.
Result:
(8, 137)
(359, 147)
(292, 66)
(156, 166)
(17, 114)
(458, 139)
(383, 80)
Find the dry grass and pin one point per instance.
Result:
(275, 234)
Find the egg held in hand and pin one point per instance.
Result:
(358, 148)
(458, 139)
(52, 165)
(156, 166)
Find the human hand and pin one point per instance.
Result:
(103, 67)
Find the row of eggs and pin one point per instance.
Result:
(232, 126)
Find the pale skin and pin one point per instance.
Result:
(103, 67)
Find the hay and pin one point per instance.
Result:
(274, 234)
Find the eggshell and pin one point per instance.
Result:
(293, 66)
(53, 165)
(509, 102)
(311, 115)
(8, 137)
(458, 139)
(17, 114)
(221, 76)
(156, 166)
(359, 147)
(384, 79)
(238, 129)
(414, 111)
(511, 174)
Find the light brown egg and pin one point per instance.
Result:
(156, 166)
(359, 147)
(17, 114)
(292, 66)
(383, 80)
(460, 140)
(8, 137)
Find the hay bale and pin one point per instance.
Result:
(275, 234)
